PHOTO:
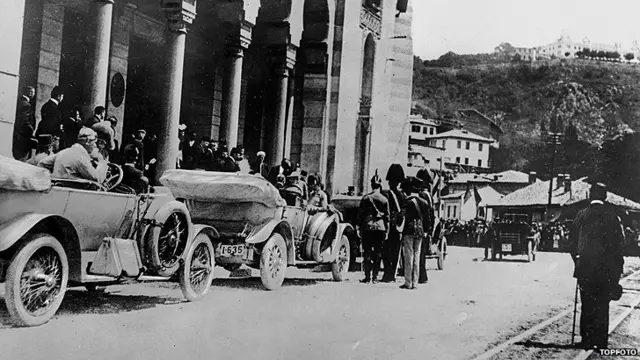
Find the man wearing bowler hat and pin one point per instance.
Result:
(597, 240)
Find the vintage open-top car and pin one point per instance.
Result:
(254, 226)
(55, 234)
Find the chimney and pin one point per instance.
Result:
(567, 183)
(559, 181)
(533, 177)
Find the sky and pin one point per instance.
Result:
(478, 26)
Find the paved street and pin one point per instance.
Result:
(461, 312)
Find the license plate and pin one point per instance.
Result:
(231, 250)
(506, 247)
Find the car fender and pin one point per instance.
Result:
(210, 231)
(331, 254)
(261, 233)
(62, 229)
(319, 235)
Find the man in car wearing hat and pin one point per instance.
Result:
(75, 162)
(373, 222)
(395, 197)
(417, 225)
(597, 240)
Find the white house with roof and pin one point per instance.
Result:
(463, 147)
(458, 148)
(421, 128)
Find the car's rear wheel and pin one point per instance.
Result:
(196, 273)
(340, 267)
(442, 253)
(273, 262)
(36, 280)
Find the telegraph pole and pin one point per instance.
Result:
(554, 139)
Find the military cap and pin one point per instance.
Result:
(395, 173)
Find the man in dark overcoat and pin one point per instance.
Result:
(24, 127)
(51, 115)
(597, 240)
(396, 198)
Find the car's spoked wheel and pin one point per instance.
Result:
(273, 262)
(340, 267)
(197, 272)
(36, 280)
(171, 243)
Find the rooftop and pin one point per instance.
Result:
(460, 134)
(509, 176)
(489, 196)
(537, 195)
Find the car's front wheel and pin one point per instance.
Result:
(196, 273)
(273, 262)
(36, 280)
(340, 267)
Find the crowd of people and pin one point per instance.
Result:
(73, 147)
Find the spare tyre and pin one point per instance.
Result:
(168, 237)
(310, 230)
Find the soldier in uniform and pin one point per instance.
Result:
(429, 218)
(373, 221)
(597, 240)
(391, 251)
(417, 224)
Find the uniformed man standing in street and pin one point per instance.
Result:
(373, 221)
(395, 197)
(597, 240)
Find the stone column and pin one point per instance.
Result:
(99, 72)
(280, 120)
(233, 84)
(284, 61)
(168, 136)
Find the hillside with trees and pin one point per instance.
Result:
(595, 105)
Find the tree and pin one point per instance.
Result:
(505, 49)
(580, 54)
(629, 56)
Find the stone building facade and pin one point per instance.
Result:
(564, 48)
(326, 83)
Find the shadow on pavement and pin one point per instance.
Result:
(254, 283)
(78, 302)
(506, 260)
(540, 345)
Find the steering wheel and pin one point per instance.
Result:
(113, 178)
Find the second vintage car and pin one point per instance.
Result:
(255, 226)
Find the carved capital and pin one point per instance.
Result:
(239, 38)
(178, 17)
(282, 58)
